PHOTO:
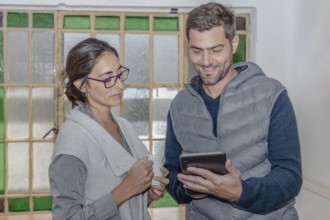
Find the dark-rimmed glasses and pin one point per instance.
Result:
(111, 81)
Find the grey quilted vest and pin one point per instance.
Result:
(242, 132)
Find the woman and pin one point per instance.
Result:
(99, 168)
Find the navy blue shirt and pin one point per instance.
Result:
(259, 195)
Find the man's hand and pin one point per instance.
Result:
(227, 186)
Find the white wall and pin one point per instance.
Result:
(292, 45)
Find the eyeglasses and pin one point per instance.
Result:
(111, 81)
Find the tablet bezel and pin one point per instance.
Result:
(212, 161)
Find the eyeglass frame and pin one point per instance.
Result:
(104, 81)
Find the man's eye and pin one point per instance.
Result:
(195, 51)
(216, 50)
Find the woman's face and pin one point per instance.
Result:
(97, 95)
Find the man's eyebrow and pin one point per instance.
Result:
(216, 46)
(194, 47)
(209, 48)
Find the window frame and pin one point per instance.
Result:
(60, 104)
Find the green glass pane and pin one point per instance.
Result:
(166, 201)
(76, 21)
(42, 203)
(18, 204)
(1, 57)
(107, 23)
(43, 20)
(2, 126)
(2, 168)
(240, 54)
(166, 24)
(15, 19)
(137, 23)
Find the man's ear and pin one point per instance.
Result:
(235, 43)
(78, 84)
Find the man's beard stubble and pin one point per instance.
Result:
(220, 76)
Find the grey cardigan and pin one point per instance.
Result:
(107, 162)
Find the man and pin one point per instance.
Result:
(240, 111)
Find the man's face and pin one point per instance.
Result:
(211, 54)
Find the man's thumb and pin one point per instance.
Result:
(230, 167)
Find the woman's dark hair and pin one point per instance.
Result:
(210, 15)
(80, 61)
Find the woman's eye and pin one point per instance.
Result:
(108, 79)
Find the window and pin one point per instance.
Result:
(33, 48)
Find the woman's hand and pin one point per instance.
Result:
(158, 191)
(138, 180)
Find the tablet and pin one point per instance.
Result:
(212, 161)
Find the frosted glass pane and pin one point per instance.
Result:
(136, 105)
(18, 112)
(115, 110)
(42, 154)
(70, 40)
(158, 148)
(18, 168)
(191, 70)
(43, 107)
(137, 58)
(162, 100)
(67, 104)
(146, 143)
(18, 56)
(112, 39)
(43, 53)
(166, 59)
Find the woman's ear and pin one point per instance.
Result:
(235, 43)
(80, 85)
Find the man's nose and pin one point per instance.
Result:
(207, 58)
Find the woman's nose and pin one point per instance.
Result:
(120, 84)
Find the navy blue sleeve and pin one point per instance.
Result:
(172, 152)
(284, 181)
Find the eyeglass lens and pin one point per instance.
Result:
(122, 77)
